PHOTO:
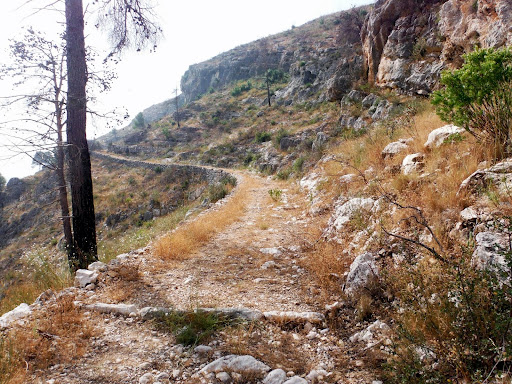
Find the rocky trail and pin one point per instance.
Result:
(251, 270)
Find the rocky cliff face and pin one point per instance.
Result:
(407, 43)
(323, 58)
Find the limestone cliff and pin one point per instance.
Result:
(323, 58)
(407, 43)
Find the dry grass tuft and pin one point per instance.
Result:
(186, 239)
(57, 336)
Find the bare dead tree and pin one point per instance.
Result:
(40, 62)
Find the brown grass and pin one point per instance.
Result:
(186, 239)
(57, 336)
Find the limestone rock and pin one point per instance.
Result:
(244, 365)
(394, 148)
(294, 317)
(437, 137)
(97, 266)
(371, 334)
(344, 212)
(488, 250)
(363, 272)
(116, 309)
(83, 277)
(277, 376)
(21, 311)
(296, 380)
(203, 350)
(499, 175)
(413, 163)
(147, 378)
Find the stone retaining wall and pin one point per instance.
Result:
(184, 171)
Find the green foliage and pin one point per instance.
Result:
(166, 132)
(2, 183)
(419, 48)
(276, 76)
(284, 174)
(454, 320)
(217, 192)
(483, 72)
(138, 121)
(159, 169)
(238, 90)
(191, 328)
(262, 137)
(282, 133)
(454, 138)
(298, 164)
(275, 194)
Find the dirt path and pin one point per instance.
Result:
(254, 263)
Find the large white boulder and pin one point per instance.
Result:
(489, 249)
(84, 277)
(245, 365)
(413, 163)
(363, 272)
(277, 376)
(394, 148)
(437, 137)
(18, 313)
(345, 212)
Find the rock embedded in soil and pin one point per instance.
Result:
(244, 365)
(83, 277)
(277, 376)
(294, 317)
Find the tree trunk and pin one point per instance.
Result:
(82, 202)
(63, 191)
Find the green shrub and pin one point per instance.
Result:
(217, 192)
(262, 137)
(275, 194)
(284, 174)
(478, 97)
(282, 133)
(298, 165)
(191, 328)
(238, 90)
(453, 321)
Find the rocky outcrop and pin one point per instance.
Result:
(157, 111)
(406, 43)
(322, 58)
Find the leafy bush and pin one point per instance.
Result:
(284, 174)
(478, 97)
(138, 121)
(217, 192)
(275, 194)
(282, 133)
(262, 137)
(237, 91)
(454, 321)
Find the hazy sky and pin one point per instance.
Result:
(194, 31)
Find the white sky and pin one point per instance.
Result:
(194, 31)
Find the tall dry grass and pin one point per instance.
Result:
(185, 240)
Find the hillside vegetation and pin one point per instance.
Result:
(359, 238)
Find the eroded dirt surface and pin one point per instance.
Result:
(253, 263)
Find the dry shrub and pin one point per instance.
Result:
(452, 320)
(325, 261)
(189, 237)
(56, 336)
(248, 339)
